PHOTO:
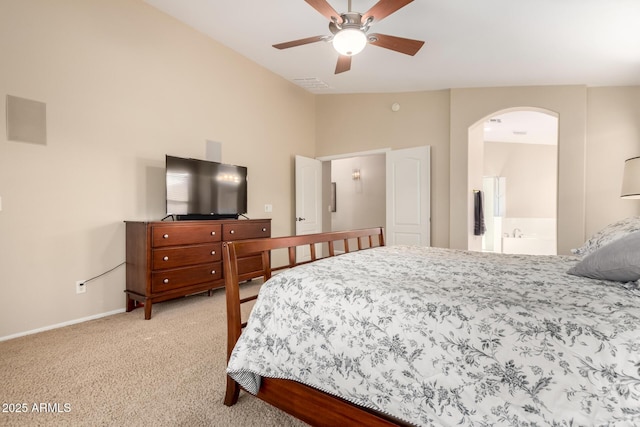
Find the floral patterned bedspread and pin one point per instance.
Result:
(442, 337)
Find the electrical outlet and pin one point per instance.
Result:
(81, 287)
(268, 208)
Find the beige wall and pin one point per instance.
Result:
(530, 171)
(475, 165)
(598, 129)
(613, 130)
(124, 85)
(469, 106)
(362, 122)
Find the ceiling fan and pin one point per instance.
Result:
(349, 31)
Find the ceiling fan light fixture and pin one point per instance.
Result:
(349, 41)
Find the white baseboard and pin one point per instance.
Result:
(62, 325)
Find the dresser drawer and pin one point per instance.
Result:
(172, 235)
(246, 230)
(171, 279)
(185, 255)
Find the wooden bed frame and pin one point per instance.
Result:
(306, 403)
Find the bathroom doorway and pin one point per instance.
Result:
(520, 181)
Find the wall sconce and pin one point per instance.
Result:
(631, 179)
(355, 175)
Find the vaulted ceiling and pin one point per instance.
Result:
(468, 43)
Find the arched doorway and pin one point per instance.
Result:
(513, 161)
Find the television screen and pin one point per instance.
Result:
(200, 188)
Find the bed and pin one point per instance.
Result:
(405, 335)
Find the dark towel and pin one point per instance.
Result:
(478, 214)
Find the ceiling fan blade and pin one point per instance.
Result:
(384, 8)
(300, 42)
(325, 10)
(344, 64)
(399, 44)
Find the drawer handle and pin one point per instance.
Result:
(165, 258)
(264, 229)
(213, 233)
(165, 281)
(166, 236)
(213, 252)
(213, 272)
(232, 232)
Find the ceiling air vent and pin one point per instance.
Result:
(312, 83)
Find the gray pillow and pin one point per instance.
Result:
(618, 260)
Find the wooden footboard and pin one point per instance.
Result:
(301, 401)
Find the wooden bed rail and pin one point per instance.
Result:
(233, 251)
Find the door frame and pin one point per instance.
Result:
(327, 160)
(356, 154)
(385, 151)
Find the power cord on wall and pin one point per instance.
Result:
(84, 282)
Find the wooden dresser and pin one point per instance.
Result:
(167, 260)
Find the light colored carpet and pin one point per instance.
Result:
(126, 371)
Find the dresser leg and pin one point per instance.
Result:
(131, 304)
(147, 309)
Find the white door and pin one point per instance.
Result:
(308, 200)
(409, 197)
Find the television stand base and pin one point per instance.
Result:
(204, 217)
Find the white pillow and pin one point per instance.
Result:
(608, 234)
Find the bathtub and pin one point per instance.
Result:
(529, 245)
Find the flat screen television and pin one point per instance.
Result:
(201, 189)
